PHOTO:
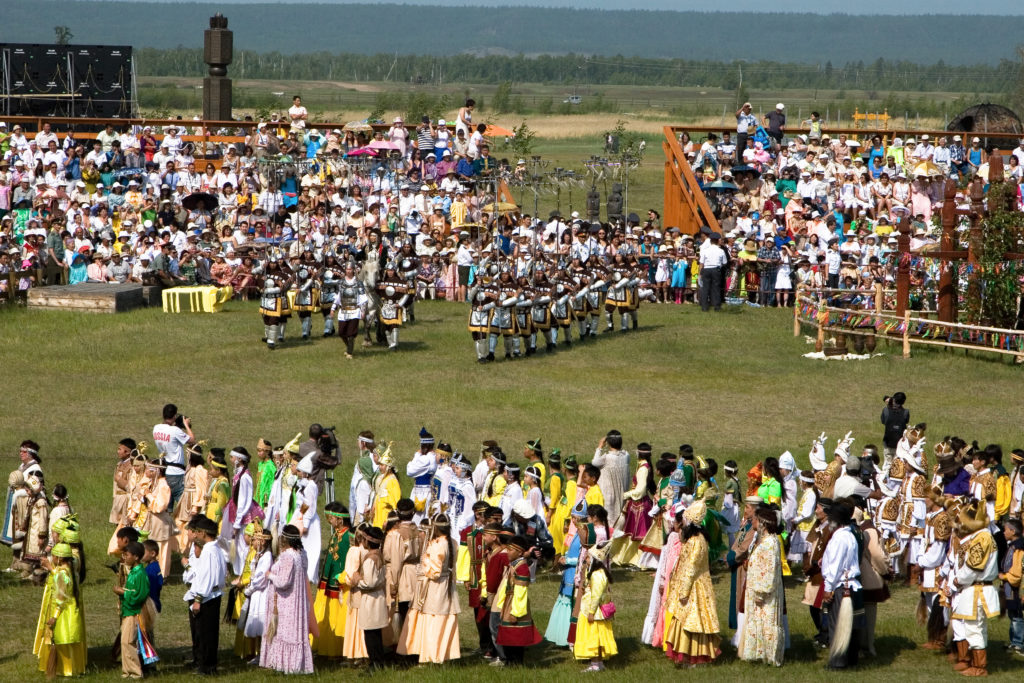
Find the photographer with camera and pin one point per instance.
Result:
(323, 445)
(895, 418)
(172, 437)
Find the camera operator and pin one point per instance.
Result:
(895, 418)
(323, 445)
(172, 437)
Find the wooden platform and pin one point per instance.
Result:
(95, 297)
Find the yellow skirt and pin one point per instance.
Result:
(330, 616)
(434, 637)
(71, 658)
(557, 528)
(353, 647)
(684, 647)
(246, 648)
(595, 640)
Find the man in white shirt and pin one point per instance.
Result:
(171, 438)
(1019, 152)
(298, 114)
(840, 569)
(713, 261)
(45, 137)
(204, 576)
(464, 262)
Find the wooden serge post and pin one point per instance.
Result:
(796, 311)
(947, 292)
(974, 240)
(903, 265)
(906, 334)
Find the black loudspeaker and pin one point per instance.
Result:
(43, 79)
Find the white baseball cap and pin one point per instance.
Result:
(780, 105)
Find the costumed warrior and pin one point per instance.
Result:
(307, 297)
(503, 320)
(524, 319)
(330, 281)
(938, 531)
(973, 598)
(620, 294)
(408, 267)
(540, 313)
(562, 292)
(350, 306)
(274, 306)
(395, 295)
(483, 298)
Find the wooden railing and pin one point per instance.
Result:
(871, 325)
(685, 206)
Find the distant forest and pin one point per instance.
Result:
(879, 75)
(368, 29)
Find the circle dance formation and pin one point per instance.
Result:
(387, 588)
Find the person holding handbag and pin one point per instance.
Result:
(595, 635)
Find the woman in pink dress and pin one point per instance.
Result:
(286, 645)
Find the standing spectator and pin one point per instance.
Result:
(171, 437)
(298, 115)
(746, 123)
(775, 122)
(895, 418)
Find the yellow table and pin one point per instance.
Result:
(203, 299)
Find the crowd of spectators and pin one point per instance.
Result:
(142, 204)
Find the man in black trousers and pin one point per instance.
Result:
(205, 576)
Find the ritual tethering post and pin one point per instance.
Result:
(217, 49)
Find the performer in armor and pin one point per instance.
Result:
(596, 293)
(395, 294)
(578, 302)
(503, 320)
(483, 297)
(619, 293)
(408, 267)
(524, 319)
(561, 307)
(307, 293)
(329, 284)
(421, 470)
(540, 313)
(373, 256)
(350, 305)
(274, 302)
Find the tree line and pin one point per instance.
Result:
(879, 75)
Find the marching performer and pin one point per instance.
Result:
(524, 320)
(503, 320)
(330, 280)
(307, 295)
(274, 305)
(483, 298)
(540, 313)
(563, 290)
(408, 266)
(596, 292)
(619, 296)
(938, 530)
(395, 295)
(350, 306)
(973, 598)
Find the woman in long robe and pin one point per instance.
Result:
(431, 628)
(763, 636)
(638, 503)
(255, 592)
(285, 645)
(159, 524)
(692, 631)
(60, 632)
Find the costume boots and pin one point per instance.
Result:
(507, 341)
(481, 350)
(307, 326)
(269, 334)
(979, 664)
(963, 656)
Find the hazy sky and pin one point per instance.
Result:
(995, 7)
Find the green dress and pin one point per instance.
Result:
(265, 473)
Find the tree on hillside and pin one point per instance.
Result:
(64, 34)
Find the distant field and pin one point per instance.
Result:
(711, 106)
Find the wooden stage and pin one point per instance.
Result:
(89, 297)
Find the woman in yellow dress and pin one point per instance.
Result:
(431, 628)
(60, 632)
(331, 596)
(219, 491)
(595, 628)
(386, 489)
(560, 503)
(691, 618)
(494, 484)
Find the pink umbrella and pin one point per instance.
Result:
(362, 151)
(383, 144)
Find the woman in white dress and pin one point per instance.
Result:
(256, 592)
(783, 276)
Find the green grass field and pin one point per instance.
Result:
(733, 384)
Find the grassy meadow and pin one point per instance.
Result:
(732, 384)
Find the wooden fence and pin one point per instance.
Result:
(865, 327)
